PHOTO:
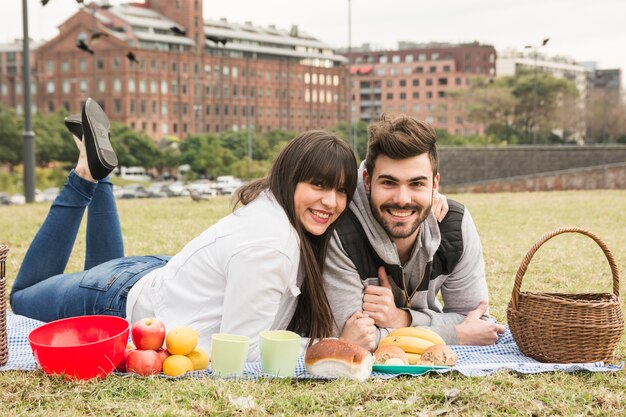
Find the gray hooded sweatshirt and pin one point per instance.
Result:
(461, 291)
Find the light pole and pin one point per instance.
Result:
(534, 48)
(351, 137)
(29, 135)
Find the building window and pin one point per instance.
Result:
(50, 87)
(416, 107)
(432, 68)
(163, 87)
(65, 66)
(407, 70)
(389, 83)
(402, 96)
(389, 96)
(382, 59)
(82, 65)
(395, 59)
(117, 85)
(131, 86)
(408, 58)
(66, 87)
(457, 81)
(102, 86)
(100, 64)
(380, 71)
(164, 108)
(143, 107)
(402, 83)
(416, 82)
(421, 57)
(419, 70)
(446, 68)
(416, 95)
(50, 66)
(442, 81)
(429, 81)
(441, 94)
(153, 86)
(429, 94)
(434, 56)
(154, 107)
(116, 63)
(83, 86)
(117, 105)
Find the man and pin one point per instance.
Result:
(389, 257)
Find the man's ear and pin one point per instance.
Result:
(436, 183)
(366, 181)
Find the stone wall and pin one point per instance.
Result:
(471, 165)
(611, 176)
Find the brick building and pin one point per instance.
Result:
(159, 66)
(11, 88)
(416, 79)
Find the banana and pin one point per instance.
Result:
(406, 343)
(413, 358)
(419, 332)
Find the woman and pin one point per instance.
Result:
(239, 276)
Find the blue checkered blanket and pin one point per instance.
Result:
(473, 360)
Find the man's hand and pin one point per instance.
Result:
(477, 332)
(440, 206)
(360, 330)
(380, 305)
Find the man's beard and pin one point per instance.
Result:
(399, 230)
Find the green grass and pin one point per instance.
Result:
(508, 224)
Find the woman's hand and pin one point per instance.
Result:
(360, 330)
(440, 206)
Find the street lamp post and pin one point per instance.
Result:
(29, 135)
(351, 137)
(535, 48)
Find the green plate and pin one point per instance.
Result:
(406, 369)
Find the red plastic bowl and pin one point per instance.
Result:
(81, 347)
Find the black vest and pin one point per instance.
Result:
(355, 243)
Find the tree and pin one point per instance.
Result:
(605, 116)
(133, 148)
(10, 137)
(53, 142)
(206, 155)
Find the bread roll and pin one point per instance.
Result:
(385, 353)
(338, 358)
(439, 355)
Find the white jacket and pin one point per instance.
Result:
(239, 276)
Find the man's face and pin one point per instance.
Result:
(401, 193)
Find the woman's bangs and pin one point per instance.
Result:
(332, 167)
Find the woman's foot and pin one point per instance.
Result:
(82, 166)
(101, 158)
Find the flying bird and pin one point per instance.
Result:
(131, 57)
(86, 46)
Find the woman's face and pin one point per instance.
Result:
(318, 207)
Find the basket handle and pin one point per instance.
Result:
(522, 268)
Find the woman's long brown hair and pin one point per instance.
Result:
(313, 156)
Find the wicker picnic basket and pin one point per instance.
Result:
(566, 328)
(4, 349)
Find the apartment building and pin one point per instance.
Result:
(11, 79)
(417, 79)
(160, 67)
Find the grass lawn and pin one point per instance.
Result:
(508, 224)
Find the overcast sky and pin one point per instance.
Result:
(585, 30)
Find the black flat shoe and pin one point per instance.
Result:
(74, 124)
(101, 157)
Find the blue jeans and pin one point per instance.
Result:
(41, 289)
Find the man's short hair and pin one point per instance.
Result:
(399, 136)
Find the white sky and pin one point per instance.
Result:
(585, 30)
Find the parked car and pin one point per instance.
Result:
(134, 191)
(5, 199)
(178, 188)
(18, 199)
(203, 187)
(159, 190)
(49, 194)
(227, 184)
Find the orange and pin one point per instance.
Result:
(181, 340)
(199, 358)
(177, 365)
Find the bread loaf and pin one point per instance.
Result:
(338, 358)
(439, 355)
(384, 353)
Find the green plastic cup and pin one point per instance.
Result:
(228, 353)
(280, 350)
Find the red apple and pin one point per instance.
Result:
(121, 367)
(163, 354)
(148, 334)
(143, 362)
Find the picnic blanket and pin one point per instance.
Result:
(473, 360)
